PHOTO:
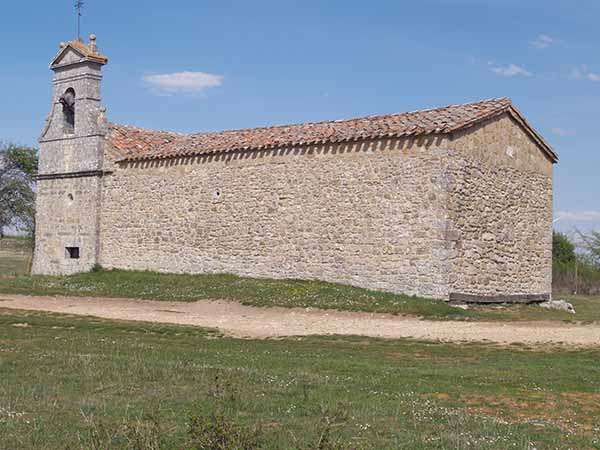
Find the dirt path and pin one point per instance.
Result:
(245, 321)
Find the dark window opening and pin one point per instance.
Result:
(67, 100)
(73, 252)
(69, 121)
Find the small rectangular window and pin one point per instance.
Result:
(73, 252)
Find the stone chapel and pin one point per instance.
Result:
(452, 203)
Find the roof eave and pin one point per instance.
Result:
(153, 157)
(500, 106)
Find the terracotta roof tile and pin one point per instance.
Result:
(86, 50)
(133, 143)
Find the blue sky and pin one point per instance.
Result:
(192, 65)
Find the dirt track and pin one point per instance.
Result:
(244, 321)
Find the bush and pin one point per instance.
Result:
(591, 244)
(563, 250)
(578, 277)
(575, 273)
(331, 421)
(18, 167)
(217, 432)
(131, 434)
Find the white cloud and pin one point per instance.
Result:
(563, 132)
(182, 82)
(543, 41)
(511, 70)
(578, 216)
(593, 77)
(583, 73)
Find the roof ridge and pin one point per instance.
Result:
(321, 122)
(150, 130)
(135, 143)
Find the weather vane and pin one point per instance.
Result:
(78, 5)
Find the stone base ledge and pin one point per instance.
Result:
(491, 299)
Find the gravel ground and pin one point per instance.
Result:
(234, 319)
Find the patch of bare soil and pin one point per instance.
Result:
(570, 411)
(238, 320)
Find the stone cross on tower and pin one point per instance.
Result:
(71, 162)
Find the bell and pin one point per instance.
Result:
(68, 101)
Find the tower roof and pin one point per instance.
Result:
(80, 52)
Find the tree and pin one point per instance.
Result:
(591, 243)
(18, 168)
(563, 250)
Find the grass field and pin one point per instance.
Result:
(72, 382)
(259, 292)
(68, 382)
(15, 256)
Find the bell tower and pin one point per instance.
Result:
(71, 163)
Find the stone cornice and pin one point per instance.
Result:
(81, 76)
(81, 174)
(72, 138)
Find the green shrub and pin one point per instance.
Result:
(591, 244)
(217, 432)
(143, 434)
(331, 421)
(132, 434)
(578, 277)
(574, 273)
(563, 250)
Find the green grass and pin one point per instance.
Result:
(587, 310)
(249, 291)
(257, 292)
(12, 265)
(69, 382)
(285, 293)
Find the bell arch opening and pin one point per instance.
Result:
(67, 100)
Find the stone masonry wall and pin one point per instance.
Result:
(500, 210)
(471, 215)
(66, 216)
(71, 159)
(368, 214)
(82, 150)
